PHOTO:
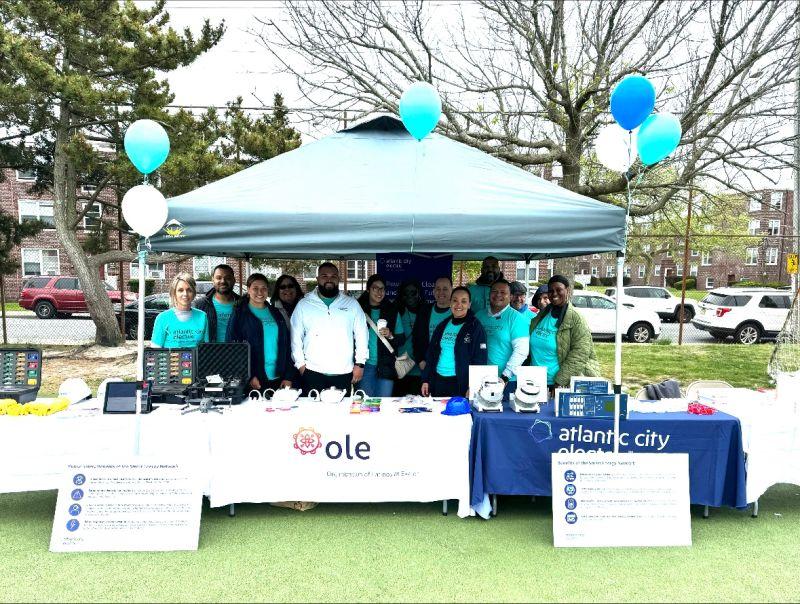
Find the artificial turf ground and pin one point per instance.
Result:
(408, 552)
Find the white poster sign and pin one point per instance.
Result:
(617, 500)
(138, 504)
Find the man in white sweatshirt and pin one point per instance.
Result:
(329, 335)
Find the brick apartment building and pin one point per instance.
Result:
(769, 219)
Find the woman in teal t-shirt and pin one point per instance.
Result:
(181, 326)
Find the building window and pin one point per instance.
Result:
(693, 270)
(657, 270)
(595, 272)
(754, 226)
(37, 209)
(356, 270)
(641, 271)
(668, 253)
(679, 270)
(774, 227)
(695, 253)
(772, 256)
(609, 271)
(646, 248)
(28, 174)
(705, 259)
(88, 188)
(203, 265)
(40, 262)
(752, 256)
(627, 271)
(776, 200)
(154, 271)
(709, 282)
(93, 216)
(755, 204)
(533, 272)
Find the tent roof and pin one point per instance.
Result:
(374, 188)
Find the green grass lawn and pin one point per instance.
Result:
(12, 306)
(408, 552)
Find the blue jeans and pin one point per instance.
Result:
(372, 384)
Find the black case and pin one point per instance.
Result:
(20, 373)
(172, 371)
(229, 360)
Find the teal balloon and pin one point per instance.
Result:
(632, 100)
(147, 145)
(659, 136)
(420, 108)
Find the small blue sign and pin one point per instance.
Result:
(74, 509)
(570, 503)
(78, 479)
(571, 518)
(570, 489)
(569, 475)
(77, 494)
(72, 525)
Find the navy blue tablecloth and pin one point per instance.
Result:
(510, 452)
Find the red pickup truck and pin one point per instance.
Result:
(60, 296)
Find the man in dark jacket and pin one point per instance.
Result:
(218, 302)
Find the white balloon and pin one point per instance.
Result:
(144, 209)
(615, 148)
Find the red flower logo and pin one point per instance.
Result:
(307, 440)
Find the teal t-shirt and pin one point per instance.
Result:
(479, 296)
(270, 340)
(375, 314)
(224, 312)
(544, 351)
(170, 332)
(328, 301)
(500, 332)
(408, 319)
(437, 316)
(447, 359)
(527, 314)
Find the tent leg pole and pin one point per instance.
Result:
(618, 351)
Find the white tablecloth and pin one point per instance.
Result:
(770, 435)
(249, 454)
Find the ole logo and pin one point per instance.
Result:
(308, 441)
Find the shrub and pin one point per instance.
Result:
(149, 286)
(691, 283)
(775, 284)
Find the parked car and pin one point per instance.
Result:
(60, 296)
(639, 325)
(153, 305)
(658, 299)
(748, 314)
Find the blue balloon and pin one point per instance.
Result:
(658, 137)
(420, 108)
(147, 145)
(632, 100)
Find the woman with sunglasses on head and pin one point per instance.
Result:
(286, 295)
(379, 371)
(262, 326)
(560, 339)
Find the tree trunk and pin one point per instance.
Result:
(64, 187)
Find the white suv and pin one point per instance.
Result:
(638, 324)
(658, 299)
(748, 314)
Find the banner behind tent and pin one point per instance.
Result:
(425, 268)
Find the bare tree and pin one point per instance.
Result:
(530, 81)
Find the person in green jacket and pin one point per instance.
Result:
(560, 339)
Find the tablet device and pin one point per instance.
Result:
(120, 397)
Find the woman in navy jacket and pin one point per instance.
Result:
(251, 316)
(457, 343)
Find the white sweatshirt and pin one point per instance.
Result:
(324, 338)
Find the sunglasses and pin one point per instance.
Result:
(286, 286)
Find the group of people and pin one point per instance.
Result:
(326, 338)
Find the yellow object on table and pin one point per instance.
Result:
(9, 406)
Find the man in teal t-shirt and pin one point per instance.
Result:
(480, 290)
(224, 311)
(218, 302)
(506, 332)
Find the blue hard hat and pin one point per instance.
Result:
(456, 405)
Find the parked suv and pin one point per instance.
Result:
(639, 325)
(60, 296)
(747, 314)
(659, 300)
